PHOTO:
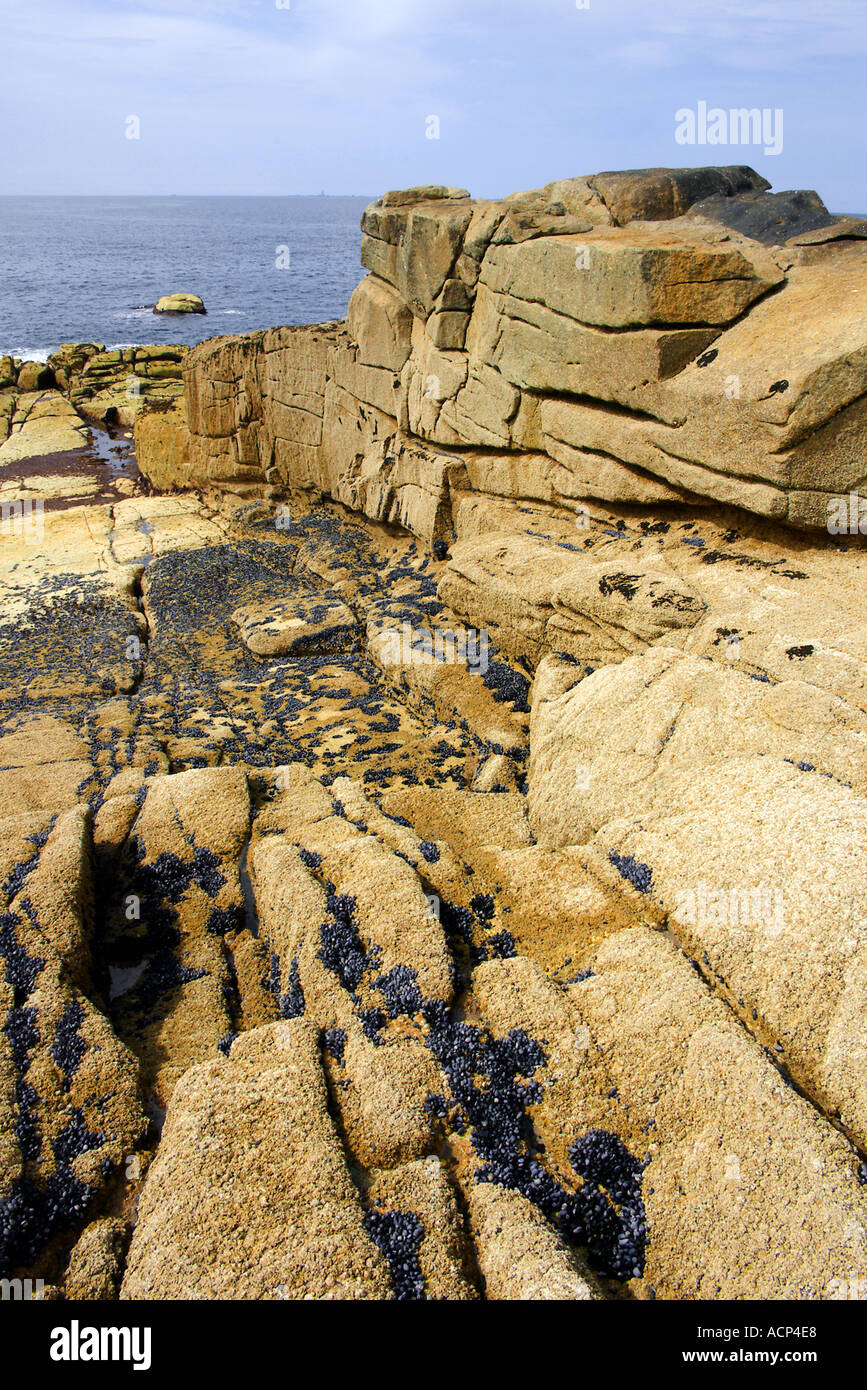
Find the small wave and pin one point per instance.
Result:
(29, 354)
(146, 311)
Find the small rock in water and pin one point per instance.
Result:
(180, 304)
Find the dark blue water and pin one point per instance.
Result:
(81, 269)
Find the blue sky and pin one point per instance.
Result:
(248, 97)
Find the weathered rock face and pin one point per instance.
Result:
(714, 1114)
(41, 422)
(411, 1033)
(112, 386)
(438, 864)
(632, 337)
(736, 803)
(252, 415)
(239, 1126)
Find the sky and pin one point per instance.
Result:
(346, 96)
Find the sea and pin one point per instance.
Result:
(91, 269)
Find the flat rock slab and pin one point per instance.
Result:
(625, 277)
(686, 714)
(305, 625)
(42, 422)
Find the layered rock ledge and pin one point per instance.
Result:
(620, 338)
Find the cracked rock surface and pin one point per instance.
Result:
(412, 887)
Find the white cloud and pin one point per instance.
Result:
(755, 35)
(213, 43)
(339, 89)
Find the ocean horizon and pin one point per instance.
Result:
(89, 269)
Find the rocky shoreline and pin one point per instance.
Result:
(434, 856)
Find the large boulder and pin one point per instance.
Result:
(380, 323)
(35, 376)
(657, 194)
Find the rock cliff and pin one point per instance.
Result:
(609, 338)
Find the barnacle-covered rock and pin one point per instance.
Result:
(70, 1091)
(250, 1196)
(95, 1266)
(413, 1216)
(521, 1256)
(177, 893)
(301, 626)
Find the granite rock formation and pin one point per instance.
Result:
(434, 856)
(45, 407)
(622, 338)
